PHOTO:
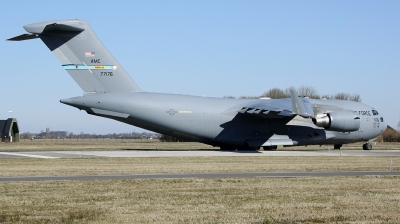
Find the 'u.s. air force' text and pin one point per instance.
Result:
(364, 112)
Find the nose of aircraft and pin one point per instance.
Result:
(379, 123)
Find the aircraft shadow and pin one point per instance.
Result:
(243, 151)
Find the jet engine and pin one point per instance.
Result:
(343, 121)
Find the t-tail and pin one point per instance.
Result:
(83, 55)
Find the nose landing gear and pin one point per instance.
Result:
(367, 146)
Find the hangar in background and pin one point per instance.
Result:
(9, 130)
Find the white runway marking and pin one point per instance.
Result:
(27, 155)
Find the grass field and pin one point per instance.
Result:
(97, 166)
(255, 200)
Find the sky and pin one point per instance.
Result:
(205, 48)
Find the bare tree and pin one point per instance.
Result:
(347, 96)
(230, 97)
(355, 97)
(342, 96)
(398, 125)
(275, 93)
(327, 97)
(308, 91)
(287, 90)
(249, 97)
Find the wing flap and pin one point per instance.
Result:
(266, 113)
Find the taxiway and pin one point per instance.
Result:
(196, 153)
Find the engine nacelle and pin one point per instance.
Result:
(343, 121)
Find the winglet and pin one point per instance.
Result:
(298, 105)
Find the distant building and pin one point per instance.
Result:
(9, 130)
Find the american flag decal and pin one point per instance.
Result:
(89, 54)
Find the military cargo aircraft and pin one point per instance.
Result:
(231, 124)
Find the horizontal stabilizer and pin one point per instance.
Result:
(45, 29)
(24, 37)
(51, 28)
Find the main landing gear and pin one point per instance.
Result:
(337, 146)
(366, 146)
(270, 148)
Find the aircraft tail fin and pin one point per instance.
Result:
(82, 55)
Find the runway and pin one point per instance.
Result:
(197, 153)
(197, 176)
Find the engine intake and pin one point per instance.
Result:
(343, 121)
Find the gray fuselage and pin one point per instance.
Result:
(216, 121)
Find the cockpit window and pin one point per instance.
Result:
(374, 112)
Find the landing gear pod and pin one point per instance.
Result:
(343, 121)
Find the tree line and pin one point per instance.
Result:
(82, 135)
(304, 91)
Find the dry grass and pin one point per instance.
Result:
(98, 145)
(257, 200)
(98, 166)
(27, 145)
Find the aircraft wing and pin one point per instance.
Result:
(279, 108)
(269, 109)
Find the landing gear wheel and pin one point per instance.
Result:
(367, 146)
(337, 146)
(270, 148)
